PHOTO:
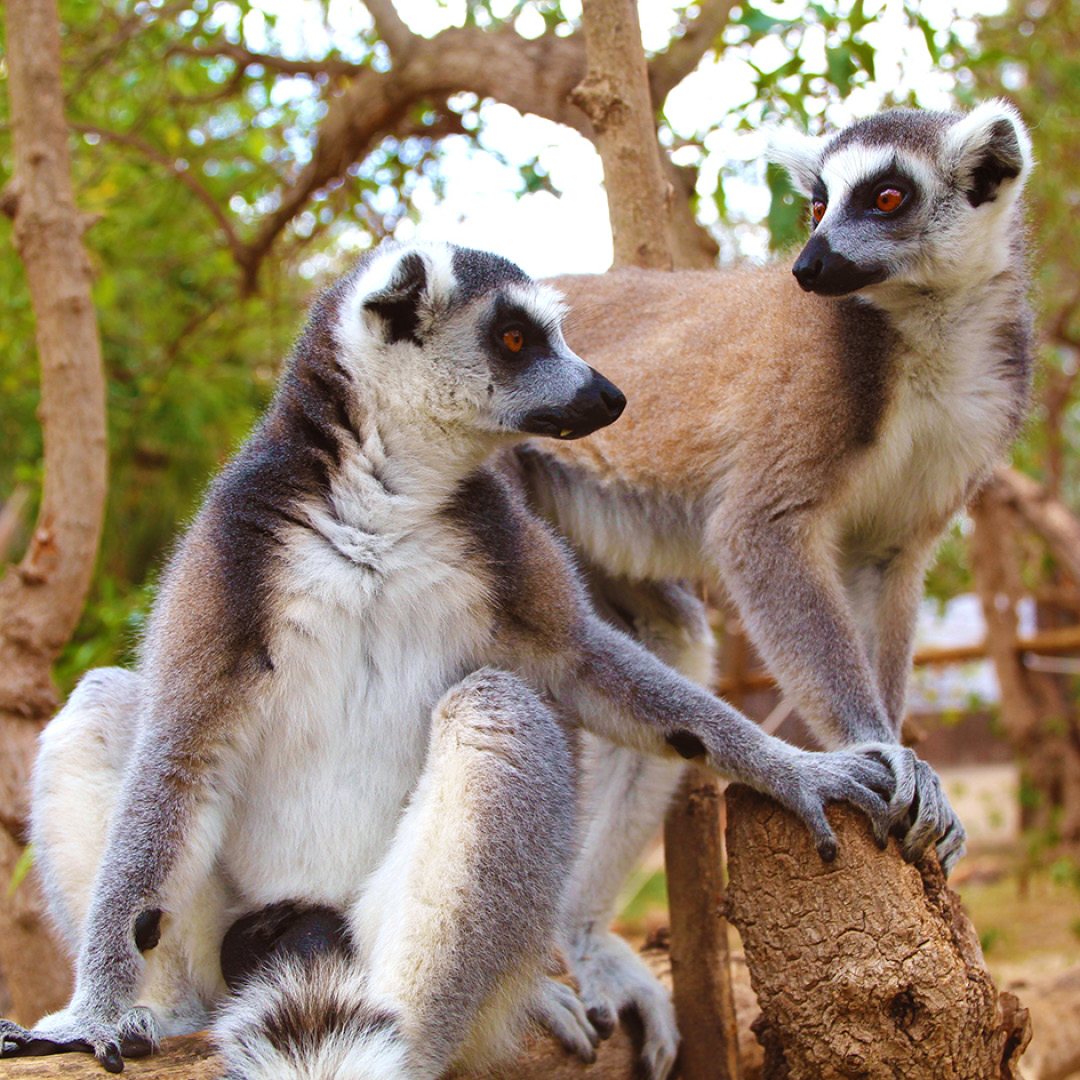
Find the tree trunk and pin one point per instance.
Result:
(700, 956)
(41, 598)
(866, 968)
(616, 98)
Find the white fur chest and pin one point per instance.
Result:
(946, 423)
(370, 631)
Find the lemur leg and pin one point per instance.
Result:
(895, 619)
(455, 931)
(627, 795)
(81, 759)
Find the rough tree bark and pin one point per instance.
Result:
(615, 96)
(42, 597)
(866, 968)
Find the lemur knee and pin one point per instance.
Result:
(496, 711)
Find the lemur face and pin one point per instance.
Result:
(908, 198)
(470, 340)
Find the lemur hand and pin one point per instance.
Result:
(919, 811)
(810, 780)
(613, 979)
(559, 1009)
(135, 1034)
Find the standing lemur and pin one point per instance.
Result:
(334, 807)
(803, 448)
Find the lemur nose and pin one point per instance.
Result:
(806, 273)
(613, 398)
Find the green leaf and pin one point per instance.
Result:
(841, 68)
(22, 868)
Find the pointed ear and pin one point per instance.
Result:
(989, 151)
(398, 302)
(799, 155)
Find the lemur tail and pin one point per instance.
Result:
(310, 1019)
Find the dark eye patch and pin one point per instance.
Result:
(511, 324)
(864, 196)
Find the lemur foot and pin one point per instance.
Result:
(919, 810)
(134, 1035)
(613, 980)
(560, 1011)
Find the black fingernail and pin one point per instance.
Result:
(111, 1059)
(136, 1046)
(827, 850)
(603, 1021)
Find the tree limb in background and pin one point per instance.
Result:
(1046, 516)
(615, 96)
(41, 598)
(531, 75)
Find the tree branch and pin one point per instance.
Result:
(682, 56)
(42, 598)
(863, 967)
(614, 95)
(533, 76)
(185, 176)
(1050, 519)
(246, 58)
(390, 26)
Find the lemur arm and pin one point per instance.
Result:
(162, 843)
(895, 618)
(781, 571)
(626, 695)
(166, 831)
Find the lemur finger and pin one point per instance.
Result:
(951, 848)
(110, 1057)
(561, 1011)
(602, 1019)
(658, 1059)
(813, 817)
(901, 762)
(873, 773)
(875, 808)
(12, 1038)
(929, 815)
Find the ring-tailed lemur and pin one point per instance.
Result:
(340, 779)
(803, 448)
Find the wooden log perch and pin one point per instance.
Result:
(192, 1057)
(866, 968)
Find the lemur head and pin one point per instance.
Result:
(908, 198)
(467, 340)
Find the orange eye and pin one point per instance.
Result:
(888, 200)
(514, 340)
(817, 210)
